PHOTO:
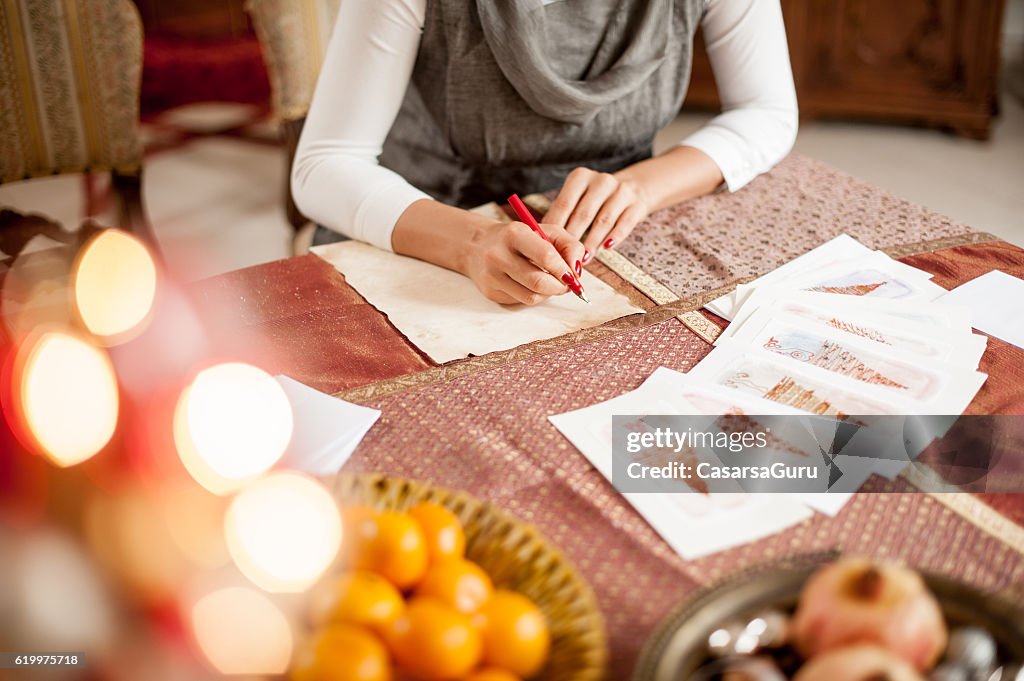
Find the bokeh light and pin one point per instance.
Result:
(55, 598)
(68, 397)
(114, 284)
(231, 424)
(126, 530)
(283, 531)
(241, 631)
(195, 520)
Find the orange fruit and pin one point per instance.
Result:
(388, 543)
(358, 527)
(457, 582)
(443, 531)
(342, 653)
(515, 633)
(491, 674)
(362, 598)
(433, 641)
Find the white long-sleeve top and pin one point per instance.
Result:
(337, 181)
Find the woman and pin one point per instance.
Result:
(427, 107)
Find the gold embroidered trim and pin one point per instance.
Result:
(645, 283)
(930, 245)
(967, 506)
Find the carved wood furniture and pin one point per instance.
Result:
(923, 62)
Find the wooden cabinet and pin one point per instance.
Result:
(924, 62)
(203, 19)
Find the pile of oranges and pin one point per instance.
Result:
(410, 601)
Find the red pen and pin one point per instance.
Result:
(524, 215)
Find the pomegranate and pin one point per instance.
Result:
(856, 601)
(862, 662)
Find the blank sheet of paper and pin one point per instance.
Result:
(996, 302)
(445, 315)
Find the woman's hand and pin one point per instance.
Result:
(609, 205)
(510, 263)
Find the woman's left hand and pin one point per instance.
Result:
(610, 205)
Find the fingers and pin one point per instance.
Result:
(607, 218)
(599, 190)
(534, 279)
(540, 253)
(569, 247)
(503, 289)
(624, 225)
(568, 196)
(522, 294)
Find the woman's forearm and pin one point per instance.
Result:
(508, 262)
(677, 175)
(438, 233)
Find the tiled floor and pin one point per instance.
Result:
(978, 183)
(215, 202)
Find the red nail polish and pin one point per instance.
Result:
(609, 243)
(573, 283)
(579, 268)
(586, 255)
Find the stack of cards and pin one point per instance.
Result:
(841, 331)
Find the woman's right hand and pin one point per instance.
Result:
(510, 263)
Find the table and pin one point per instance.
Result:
(480, 424)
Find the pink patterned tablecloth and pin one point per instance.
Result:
(480, 424)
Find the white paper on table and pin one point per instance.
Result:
(961, 350)
(326, 430)
(693, 524)
(996, 300)
(803, 387)
(933, 386)
(443, 313)
(875, 276)
(937, 324)
(712, 399)
(840, 248)
(761, 372)
(705, 398)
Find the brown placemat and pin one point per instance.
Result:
(299, 317)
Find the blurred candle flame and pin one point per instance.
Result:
(68, 397)
(231, 424)
(241, 631)
(114, 284)
(283, 531)
(54, 598)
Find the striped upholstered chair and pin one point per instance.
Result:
(70, 77)
(294, 35)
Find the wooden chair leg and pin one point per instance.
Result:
(131, 213)
(290, 132)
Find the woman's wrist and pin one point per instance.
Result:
(435, 232)
(679, 174)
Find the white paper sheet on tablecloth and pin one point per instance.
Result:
(443, 313)
(693, 524)
(840, 248)
(938, 324)
(326, 429)
(996, 301)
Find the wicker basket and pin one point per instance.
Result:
(516, 557)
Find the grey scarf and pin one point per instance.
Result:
(517, 34)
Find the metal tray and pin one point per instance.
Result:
(678, 646)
